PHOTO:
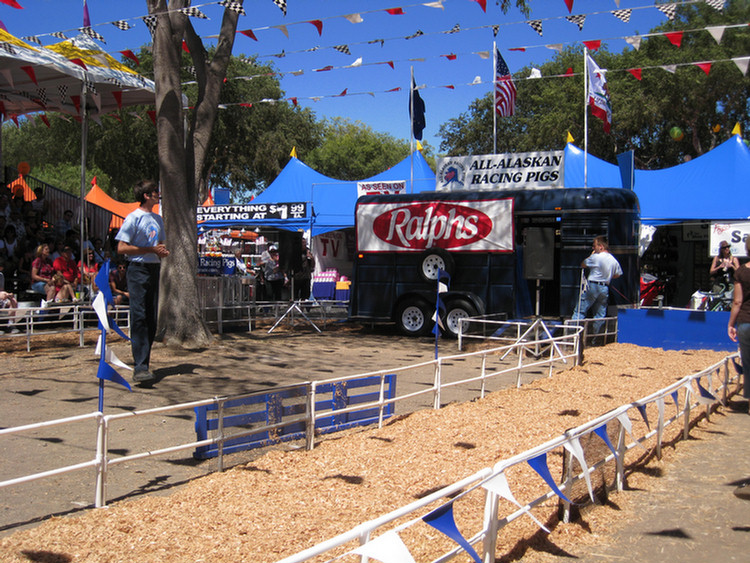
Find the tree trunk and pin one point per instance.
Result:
(180, 321)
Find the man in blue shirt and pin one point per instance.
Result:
(603, 268)
(141, 239)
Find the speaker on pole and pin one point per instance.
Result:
(539, 254)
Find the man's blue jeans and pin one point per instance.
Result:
(143, 286)
(743, 335)
(594, 300)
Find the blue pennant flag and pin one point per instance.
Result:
(442, 520)
(539, 464)
(676, 400)
(107, 372)
(102, 282)
(737, 366)
(705, 397)
(642, 410)
(601, 431)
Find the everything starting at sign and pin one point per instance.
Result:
(501, 171)
(295, 210)
(468, 226)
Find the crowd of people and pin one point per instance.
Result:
(41, 255)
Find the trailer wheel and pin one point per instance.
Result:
(434, 259)
(413, 317)
(455, 311)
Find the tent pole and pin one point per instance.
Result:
(585, 118)
(84, 142)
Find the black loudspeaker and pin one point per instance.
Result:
(539, 254)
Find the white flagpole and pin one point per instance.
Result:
(585, 118)
(492, 97)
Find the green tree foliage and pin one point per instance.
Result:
(703, 107)
(353, 151)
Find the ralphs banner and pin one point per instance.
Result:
(414, 226)
(501, 171)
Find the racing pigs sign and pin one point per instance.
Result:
(414, 226)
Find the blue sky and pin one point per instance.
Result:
(383, 111)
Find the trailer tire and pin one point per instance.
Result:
(456, 310)
(432, 260)
(413, 317)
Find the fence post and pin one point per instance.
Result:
(364, 537)
(437, 384)
(489, 546)
(724, 391)
(521, 350)
(220, 444)
(621, 448)
(310, 423)
(686, 415)
(484, 372)
(101, 458)
(659, 426)
(568, 464)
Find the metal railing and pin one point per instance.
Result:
(493, 484)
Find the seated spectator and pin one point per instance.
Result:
(65, 224)
(63, 290)
(23, 273)
(65, 265)
(88, 269)
(58, 249)
(98, 248)
(8, 301)
(16, 219)
(40, 205)
(10, 249)
(42, 271)
(118, 283)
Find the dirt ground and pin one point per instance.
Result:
(57, 379)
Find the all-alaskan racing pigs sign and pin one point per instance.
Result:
(414, 226)
(501, 171)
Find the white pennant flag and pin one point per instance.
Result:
(358, 62)
(741, 63)
(100, 308)
(574, 447)
(555, 47)
(438, 4)
(8, 76)
(670, 68)
(499, 485)
(628, 426)
(110, 358)
(634, 41)
(717, 32)
(388, 548)
(354, 18)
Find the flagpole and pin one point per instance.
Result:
(411, 129)
(492, 97)
(585, 117)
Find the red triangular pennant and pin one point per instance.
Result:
(318, 25)
(80, 63)
(118, 98)
(675, 37)
(15, 120)
(450, 86)
(450, 57)
(635, 72)
(249, 33)
(705, 67)
(569, 4)
(482, 4)
(246, 105)
(390, 64)
(342, 93)
(395, 11)
(569, 72)
(12, 4)
(152, 114)
(44, 119)
(325, 68)
(76, 103)
(30, 71)
(294, 101)
(131, 55)
(185, 47)
(593, 45)
(394, 89)
(522, 49)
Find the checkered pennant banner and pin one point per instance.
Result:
(579, 20)
(317, 48)
(281, 4)
(668, 10)
(495, 29)
(623, 15)
(122, 25)
(115, 81)
(8, 48)
(455, 29)
(536, 25)
(150, 22)
(91, 33)
(59, 35)
(62, 90)
(343, 49)
(191, 71)
(716, 4)
(31, 39)
(234, 6)
(193, 12)
(416, 34)
(373, 41)
(90, 86)
(41, 93)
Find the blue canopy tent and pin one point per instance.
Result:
(709, 187)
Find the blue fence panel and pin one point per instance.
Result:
(274, 408)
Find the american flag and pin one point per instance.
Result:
(505, 90)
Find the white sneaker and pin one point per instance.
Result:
(44, 304)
